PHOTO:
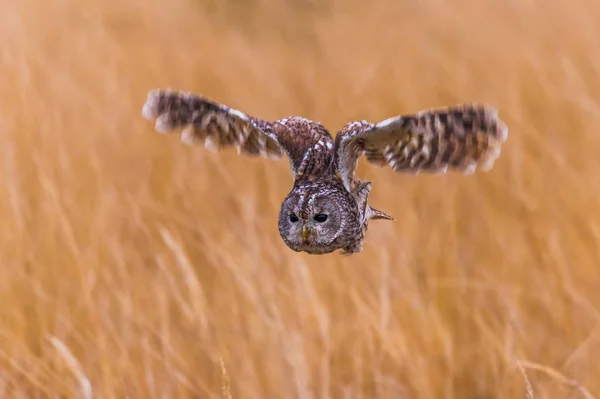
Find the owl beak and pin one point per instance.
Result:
(304, 235)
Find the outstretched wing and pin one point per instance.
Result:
(200, 120)
(461, 138)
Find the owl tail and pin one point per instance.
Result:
(377, 214)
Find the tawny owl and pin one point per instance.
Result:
(327, 208)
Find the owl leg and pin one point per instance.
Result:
(361, 194)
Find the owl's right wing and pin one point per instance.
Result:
(461, 138)
(201, 120)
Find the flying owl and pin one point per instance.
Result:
(326, 209)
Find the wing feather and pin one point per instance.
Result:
(201, 120)
(461, 138)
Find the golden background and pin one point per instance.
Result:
(133, 266)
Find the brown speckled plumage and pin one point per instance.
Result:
(327, 208)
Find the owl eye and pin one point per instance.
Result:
(321, 217)
(293, 218)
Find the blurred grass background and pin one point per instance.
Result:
(133, 266)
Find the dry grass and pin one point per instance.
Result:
(132, 266)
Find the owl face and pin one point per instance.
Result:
(313, 218)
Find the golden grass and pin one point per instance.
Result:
(133, 266)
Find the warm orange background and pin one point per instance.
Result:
(133, 266)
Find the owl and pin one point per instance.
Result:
(327, 208)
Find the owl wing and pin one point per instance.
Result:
(201, 120)
(461, 138)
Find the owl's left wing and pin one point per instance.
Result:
(201, 120)
(461, 138)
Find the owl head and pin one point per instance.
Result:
(318, 218)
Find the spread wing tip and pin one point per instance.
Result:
(150, 108)
(502, 131)
(158, 99)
